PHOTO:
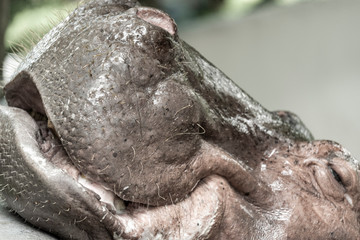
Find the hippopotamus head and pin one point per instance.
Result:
(118, 129)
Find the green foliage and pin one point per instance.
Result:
(19, 5)
(31, 19)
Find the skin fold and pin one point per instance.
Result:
(117, 129)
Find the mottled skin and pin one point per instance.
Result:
(134, 111)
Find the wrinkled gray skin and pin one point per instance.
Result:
(117, 129)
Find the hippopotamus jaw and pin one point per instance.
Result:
(108, 215)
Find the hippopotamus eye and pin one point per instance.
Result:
(336, 176)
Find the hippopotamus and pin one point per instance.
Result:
(117, 129)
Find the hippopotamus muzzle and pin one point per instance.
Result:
(117, 129)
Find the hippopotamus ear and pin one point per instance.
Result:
(157, 18)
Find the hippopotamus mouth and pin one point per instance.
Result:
(117, 129)
(45, 158)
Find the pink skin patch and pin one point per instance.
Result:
(157, 18)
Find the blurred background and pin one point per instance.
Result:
(297, 55)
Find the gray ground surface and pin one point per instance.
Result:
(303, 58)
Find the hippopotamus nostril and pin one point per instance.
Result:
(335, 179)
(347, 174)
(336, 176)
